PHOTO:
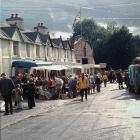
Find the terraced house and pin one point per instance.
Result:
(35, 48)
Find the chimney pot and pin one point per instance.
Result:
(38, 24)
(12, 15)
(48, 34)
(16, 15)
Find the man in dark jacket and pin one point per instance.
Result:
(6, 88)
(98, 83)
(120, 80)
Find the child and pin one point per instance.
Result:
(19, 96)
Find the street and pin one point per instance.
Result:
(112, 114)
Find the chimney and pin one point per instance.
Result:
(16, 16)
(41, 28)
(12, 15)
(48, 35)
(38, 24)
(15, 20)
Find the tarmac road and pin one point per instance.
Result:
(110, 115)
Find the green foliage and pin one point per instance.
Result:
(112, 45)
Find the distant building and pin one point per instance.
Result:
(84, 54)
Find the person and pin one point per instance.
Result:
(126, 80)
(92, 84)
(120, 80)
(83, 85)
(73, 86)
(19, 96)
(105, 78)
(17, 80)
(31, 93)
(98, 83)
(59, 84)
(53, 87)
(6, 88)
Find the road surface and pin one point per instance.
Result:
(110, 115)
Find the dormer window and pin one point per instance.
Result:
(15, 48)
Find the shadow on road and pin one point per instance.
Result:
(114, 89)
(127, 96)
(76, 101)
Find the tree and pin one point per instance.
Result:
(112, 45)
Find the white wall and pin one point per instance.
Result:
(1, 69)
(5, 56)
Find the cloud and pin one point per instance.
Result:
(65, 35)
(102, 24)
(51, 12)
(134, 30)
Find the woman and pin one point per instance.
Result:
(31, 94)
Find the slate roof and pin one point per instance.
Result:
(66, 44)
(43, 38)
(25, 38)
(3, 35)
(9, 31)
(31, 35)
(56, 42)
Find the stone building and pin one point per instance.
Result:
(84, 55)
(18, 46)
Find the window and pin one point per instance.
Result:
(28, 50)
(78, 61)
(37, 51)
(67, 53)
(58, 53)
(84, 60)
(85, 52)
(47, 51)
(71, 54)
(15, 48)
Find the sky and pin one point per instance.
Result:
(58, 15)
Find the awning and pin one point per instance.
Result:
(29, 64)
(52, 67)
(77, 67)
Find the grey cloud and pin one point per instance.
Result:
(58, 14)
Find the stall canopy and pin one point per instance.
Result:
(52, 67)
(29, 64)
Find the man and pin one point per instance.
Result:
(83, 85)
(98, 83)
(120, 80)
(73, 87)
(6, 88)
(105, 78)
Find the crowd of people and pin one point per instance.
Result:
(54, 87)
